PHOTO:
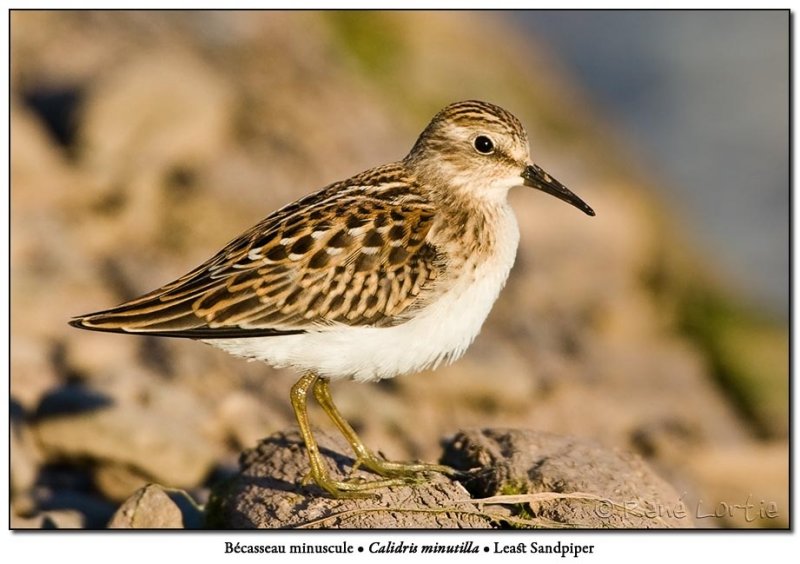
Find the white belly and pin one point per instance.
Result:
(439, 333)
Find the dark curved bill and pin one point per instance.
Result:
(535, 177)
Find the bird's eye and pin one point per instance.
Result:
(483, 145)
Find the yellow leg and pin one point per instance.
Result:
(364, 456)
(319, 473)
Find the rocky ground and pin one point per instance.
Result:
(511, 478)
(142, 142)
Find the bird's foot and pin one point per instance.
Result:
(354, 487)
(408, 470)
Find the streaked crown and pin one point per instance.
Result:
(471, 145)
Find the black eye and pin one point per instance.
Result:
(483, 144)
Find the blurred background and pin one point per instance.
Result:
(702, 98)
(141, 142)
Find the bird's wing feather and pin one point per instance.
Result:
(349, 254)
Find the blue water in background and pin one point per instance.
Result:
(703, 96)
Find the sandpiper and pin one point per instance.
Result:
(389, 272)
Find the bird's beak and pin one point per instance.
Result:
(535, 177)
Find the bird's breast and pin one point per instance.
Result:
(440, 332)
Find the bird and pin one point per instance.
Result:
(391, 271)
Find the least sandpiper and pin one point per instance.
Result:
(391, 271)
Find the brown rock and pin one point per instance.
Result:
(266, 494)
(53, 519)
(24, 461)
(522, 479)
(752, 492)
(79, 424)
(244, 419)
(565, 481)
(33, 371)
(116, 481)
(154, 507)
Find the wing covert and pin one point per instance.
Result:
(340, 256)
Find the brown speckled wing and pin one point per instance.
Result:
(353, 254)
